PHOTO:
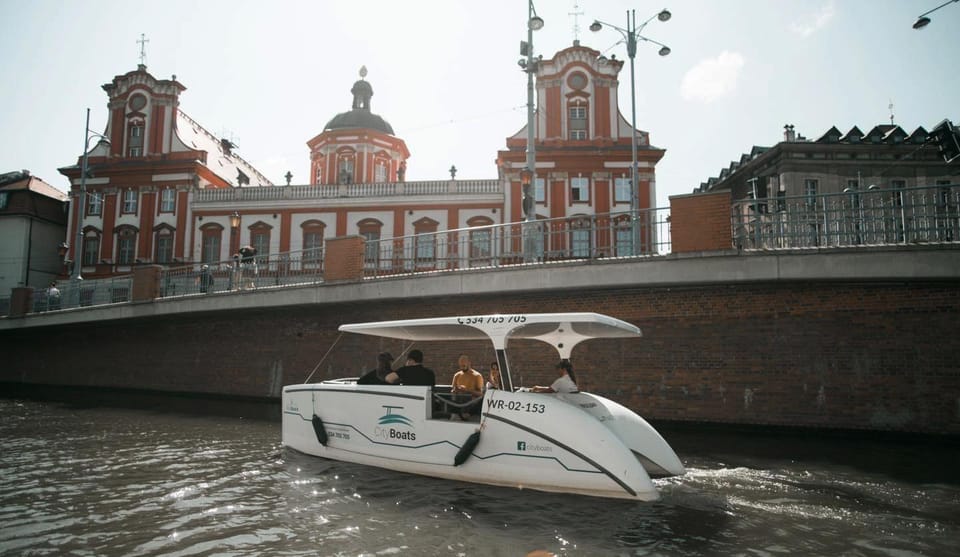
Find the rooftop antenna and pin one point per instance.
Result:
(576, 22)
(143, 50)
(890, 106)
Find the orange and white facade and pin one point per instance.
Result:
(583, 142)
(164, 189)
(140, 183)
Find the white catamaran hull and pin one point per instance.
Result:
(573, 443)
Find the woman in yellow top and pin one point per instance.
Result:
(468, 382)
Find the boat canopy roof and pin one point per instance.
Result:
(563, 331)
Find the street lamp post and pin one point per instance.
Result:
(528, 179)
(632, 34)
(923, 20)
(235, 248)
(88, 134)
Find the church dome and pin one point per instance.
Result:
(360, 116)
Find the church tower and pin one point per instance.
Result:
(357, 147)
(583, 144)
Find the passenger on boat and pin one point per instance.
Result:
(467, 386)
(494, 381)
(378, 376)
(566, 383)
(413, 373)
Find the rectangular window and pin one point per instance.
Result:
(380, 173)
(94, 204)
(126, 249)
(261, 243)
(130, 199)
(425, 247)
(210, 252)
(3, 199)
(136, 151)
(810, 187)
(164, 248)
(898, 184)
(312, 246)
(540, 190)
(624, 241)
(577, 122)
(168, 200)
(580, 188)
(371, 245)
(91, 250)
(580, 242)
(621, 190)
(480, 244)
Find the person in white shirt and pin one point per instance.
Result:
(566, 383)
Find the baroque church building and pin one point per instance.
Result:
(161, 189)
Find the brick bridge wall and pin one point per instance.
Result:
(875, 356)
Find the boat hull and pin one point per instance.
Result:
(526, 440)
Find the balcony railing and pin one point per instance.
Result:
(589, 237)
(856, 217)
(334, 191)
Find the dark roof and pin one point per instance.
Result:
(359, 118)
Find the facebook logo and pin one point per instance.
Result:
(521, 445)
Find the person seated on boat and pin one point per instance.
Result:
(494, 381)
(414, 373)
(467, 386)
(566, 383)
(378, 376)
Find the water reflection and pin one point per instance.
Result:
(97, 481)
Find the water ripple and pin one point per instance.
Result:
(124, 482)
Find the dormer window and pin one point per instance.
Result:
(135, 139)
(577, 122)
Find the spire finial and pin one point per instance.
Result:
(143, 49)
(576, 13)
(890, 106)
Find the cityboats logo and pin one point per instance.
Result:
(385, 429)
(533, 447)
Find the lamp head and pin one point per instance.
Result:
(596, 26)
(921, 22)
(535, 23)
(235, 220)
(664, 15)
(664, 51)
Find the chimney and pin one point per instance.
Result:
(788, 133)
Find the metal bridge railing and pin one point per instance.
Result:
(929, 214)
(544, 240)
(266, 271)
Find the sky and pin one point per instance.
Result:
(444, 73)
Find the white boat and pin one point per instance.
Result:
(571, 443)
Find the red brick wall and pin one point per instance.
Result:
(826, 355)
(344, 259)
(700, 222)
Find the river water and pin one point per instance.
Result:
(78, 480)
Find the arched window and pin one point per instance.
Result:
(211, 240)
(91, 246)
(425, 239)
(577, 120)
(312, 241)
(163, 240)
(135, 138)
(345, 169)
(580, 232)
(260, 240)
(370, 229)
(481, 240)
(126, 245)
